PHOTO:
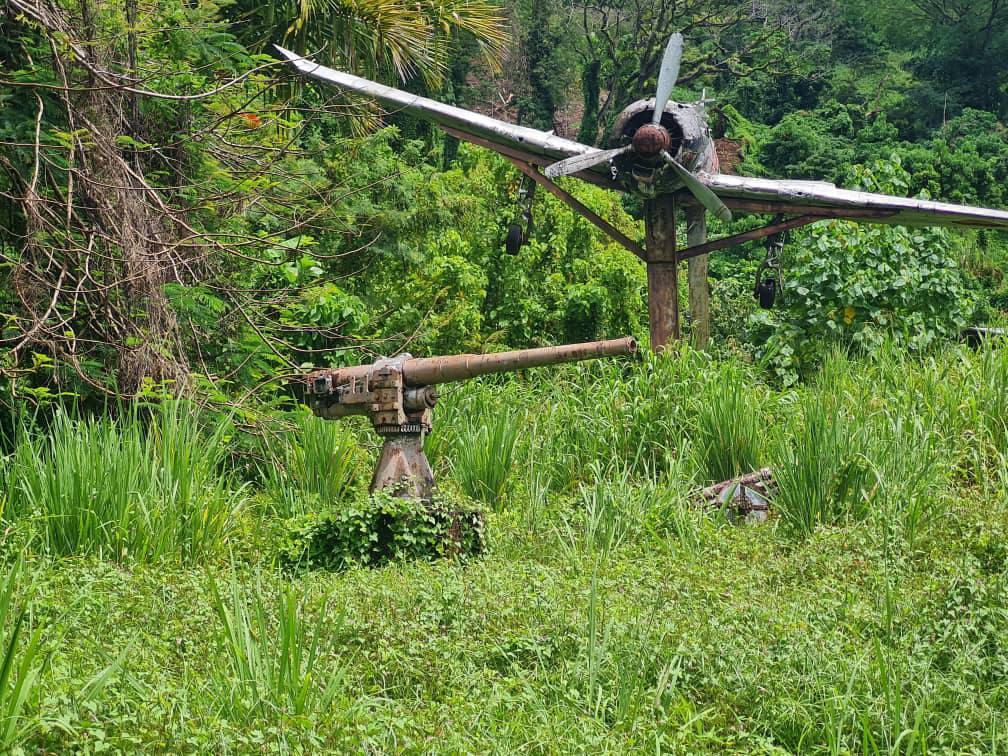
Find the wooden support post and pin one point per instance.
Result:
(662, 273)
(699, 293)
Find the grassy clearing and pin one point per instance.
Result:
(870, 615)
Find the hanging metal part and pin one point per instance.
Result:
(579, 207)
(518, 235)
(768, 275)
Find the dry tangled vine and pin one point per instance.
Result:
(110, 206)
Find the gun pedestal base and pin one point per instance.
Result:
(403, 466)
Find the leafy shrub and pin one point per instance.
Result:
(969, 628)
(821, 144)
(382, 528)
(441, 306)
(858, 285)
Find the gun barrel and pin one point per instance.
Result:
(427, 371)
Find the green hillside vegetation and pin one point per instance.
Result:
(608, 612)
(191, 563)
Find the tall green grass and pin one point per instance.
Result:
(993, 388)
(729, 429)
(125, 489)
(911, 469)
(19, 671)
(824, 477)
(278, 657)
(610, 509)
(483, 457)
(316, 462)
(633, 414)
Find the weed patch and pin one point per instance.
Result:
(380, 529)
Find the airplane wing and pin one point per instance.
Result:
(819, 198)
(744, 194)
(520, 142)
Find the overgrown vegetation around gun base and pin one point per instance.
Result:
(606, 613)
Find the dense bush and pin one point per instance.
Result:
(860, 284)
(381, 528)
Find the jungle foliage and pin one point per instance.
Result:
(180, 218)
(189, 562)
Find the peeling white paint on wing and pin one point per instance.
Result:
(905, 211)
(530, 140)
(788, 196)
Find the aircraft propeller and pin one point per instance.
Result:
(651, 140)
(667, 76)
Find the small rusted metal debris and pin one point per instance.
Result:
(745, 498)
(398, 395)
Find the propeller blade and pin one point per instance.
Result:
(698, 189)
(583, 162)
(667, 75)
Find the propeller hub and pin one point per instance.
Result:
(650, 140)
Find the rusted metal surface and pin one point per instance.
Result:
(397, 394)
(403, 467)
(428, 371)
(434, 370)
(757, 233)
(689, 135)
(729, 154)
(746, 497)
(581, 208)
(650, 140)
